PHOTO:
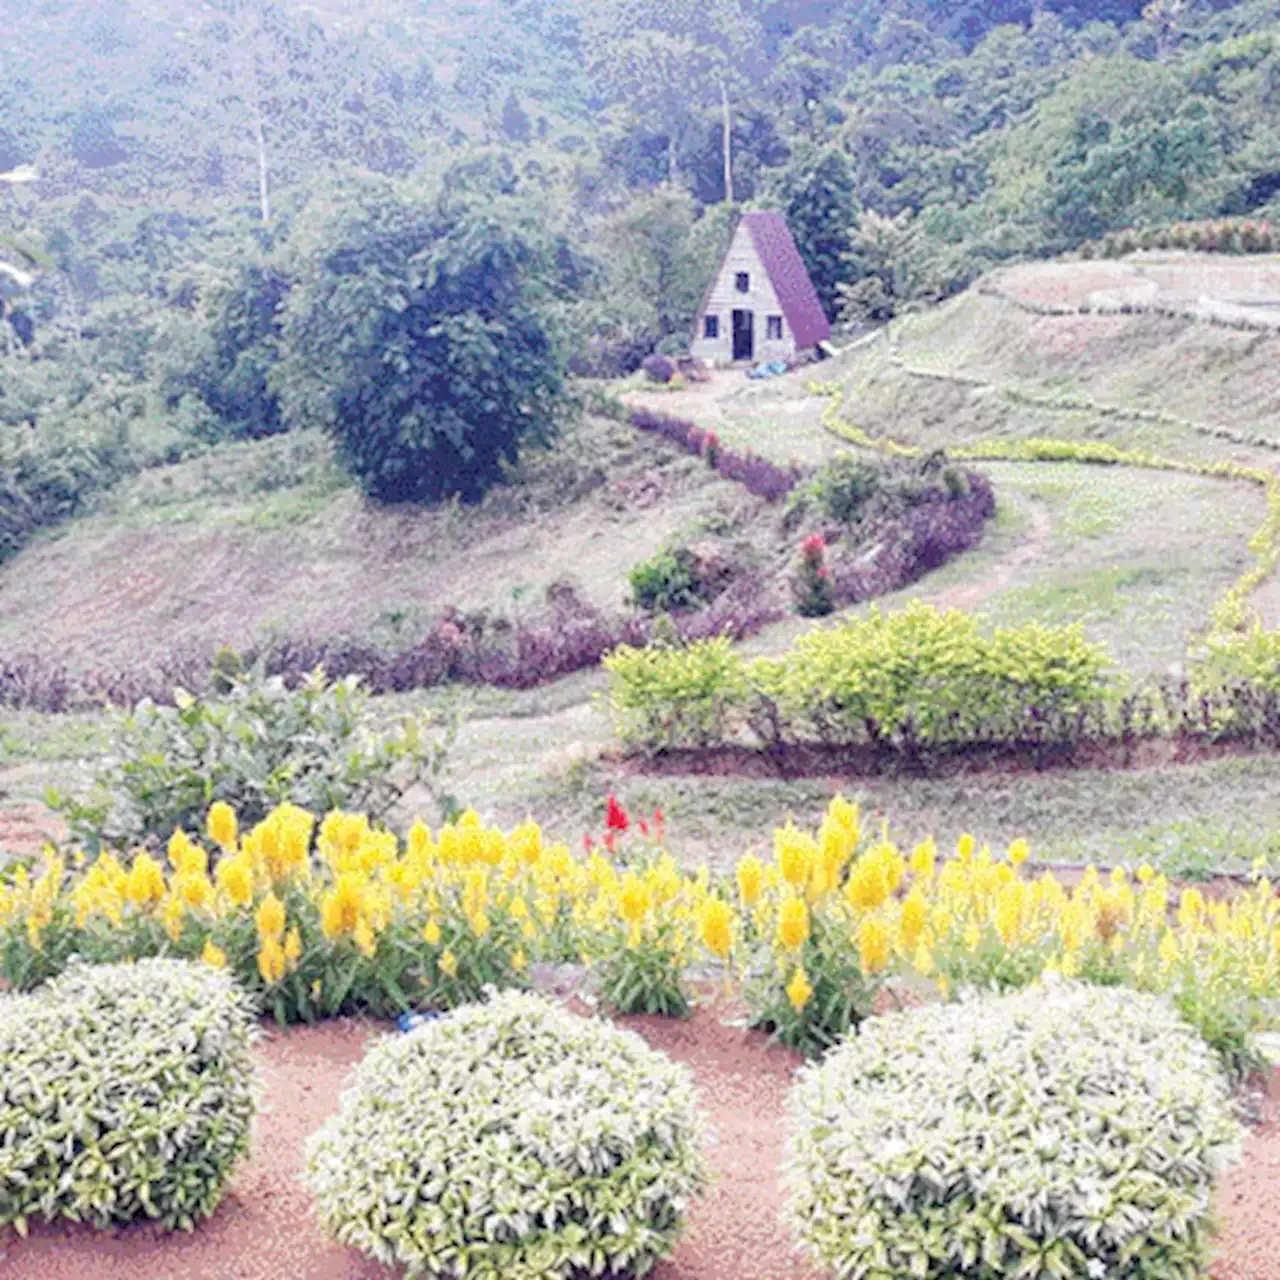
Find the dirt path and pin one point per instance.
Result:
(264, 1228)
(969, 595)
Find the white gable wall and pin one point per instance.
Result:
(725, 299)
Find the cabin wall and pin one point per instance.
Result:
(724, 299)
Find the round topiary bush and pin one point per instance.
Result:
(1063, 1131)
(126, 1091)
(512, 1141)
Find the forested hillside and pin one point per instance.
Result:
(214, 212)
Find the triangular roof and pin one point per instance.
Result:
(786, 270)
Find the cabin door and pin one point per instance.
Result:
(744, 335)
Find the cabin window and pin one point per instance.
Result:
(744, 282)
(711, 327)
(773, 328)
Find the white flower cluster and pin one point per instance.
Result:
(1065, 1131)
(512, 1140)
(126, 1091)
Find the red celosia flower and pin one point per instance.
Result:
(587, 844)
(615, 815)
(658, 822)
(814, 545)
(644, 827)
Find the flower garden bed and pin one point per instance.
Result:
(265, 1227)
(319, 920)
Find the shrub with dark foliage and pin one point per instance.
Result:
(418, 334)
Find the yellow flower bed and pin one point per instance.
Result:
(334, 916)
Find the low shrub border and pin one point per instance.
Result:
(317, 920)
(920, 688)
(1231, 613)
(756, 474)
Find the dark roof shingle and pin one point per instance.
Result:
(796, 294)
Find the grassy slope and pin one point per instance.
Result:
(1137, 557)
(271, 538)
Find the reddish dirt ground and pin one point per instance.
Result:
(264, 1229)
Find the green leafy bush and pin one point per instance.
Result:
(1252, 655)
(932, 674)
(682, 577)
(512, 1141)
(419, 333)
(127, 1092)
(254, 745)
(666, 581)
(1070, 1131)
(686, 696)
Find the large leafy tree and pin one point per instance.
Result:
(418, 333)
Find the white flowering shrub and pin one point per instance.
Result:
(512, 1140)
(126, 1091)
(1062, 1132)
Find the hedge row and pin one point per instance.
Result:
(919, 681)
(1222, 235)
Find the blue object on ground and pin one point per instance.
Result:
(412, 1021)
(769, 369)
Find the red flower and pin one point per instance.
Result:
(813, 546)
(609, 840)
(615, 815)
(587, 844)
(644, 827)
(658, 822)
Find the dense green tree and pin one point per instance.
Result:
(816, 191)
(417, 333)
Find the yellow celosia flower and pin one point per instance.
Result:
(235, 879)
(518, 960)
(874, 945)
(195, 888)
(221, 824)
(750, 875)
(798, 989)
(715, 927)
(965, 847)
(793, 924)
(923, 960)
(365, 939)
(171, 915)
(923, 860)
(1146, 873)
(1168, 950)
(633, 899)
(431, 933)
(293, 947)
(271, 961)
(1018, 852)
(914, 918)
(214, 955)
(795, 853)
(146, 881)
(449, 964)
(867, 886)
(419, 840)
(270, 917)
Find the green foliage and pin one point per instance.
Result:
(1231, 657)
(222, 350)
(662, 698)
(129, 1093)
(817, 193)
(512, 1139)
(254, 746)
(666, 581)
(418, 335)
(935, 1129)
(935, 672)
